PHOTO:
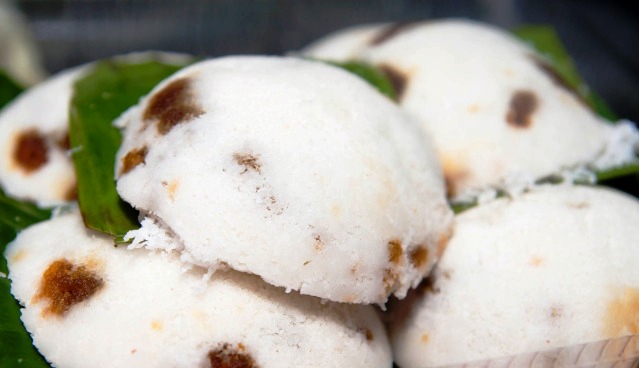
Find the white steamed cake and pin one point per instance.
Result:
(554, 267)
(90, 304)
(292, 170)
(496, 110)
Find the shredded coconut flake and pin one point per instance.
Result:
(152, 235)
(621, 147)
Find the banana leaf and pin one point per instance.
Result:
(16, 349)
(99, 98)
(9, 89)
(374, 76)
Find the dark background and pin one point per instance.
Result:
(602, 36)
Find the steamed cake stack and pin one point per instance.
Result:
(292, 172)
(260, 175)
(497, 112)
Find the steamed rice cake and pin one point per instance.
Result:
(35, 162)
(554, 267)
(292, 170)
(497, 111)
(90, 304)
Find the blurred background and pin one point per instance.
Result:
(602, 36)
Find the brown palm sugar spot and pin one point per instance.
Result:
(395, 251)
(64, 143)
(132, 159)
(622, 314)
(71, 193)
(228, 356)
(172, 105)
(397, 78)
(31, 151)
(419, 256)
(319, 243)
(556, 312)
(249, 162)
(389, 280)
(391, 31)
(65, 284)
(522, 106)
(368, 334)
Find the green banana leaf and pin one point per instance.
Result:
(16, 349)
(374, 76)
(9, 89)
(98, 99)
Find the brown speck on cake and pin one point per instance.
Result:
(395, 251)
(250, 162)
(272, 202)
(578, 205)
(368, 334)
(419, 256)
(171, 188)
(132, 159)
(319, 243)
(556, 312)
(71, 194)
(172, 105)
(389, 280)
(523, 104)
(31, 151)
(157, 325)
(64, 143)
(425, 338)
(391, 31)
(65, 284)
(397, 78)
(228, 356)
